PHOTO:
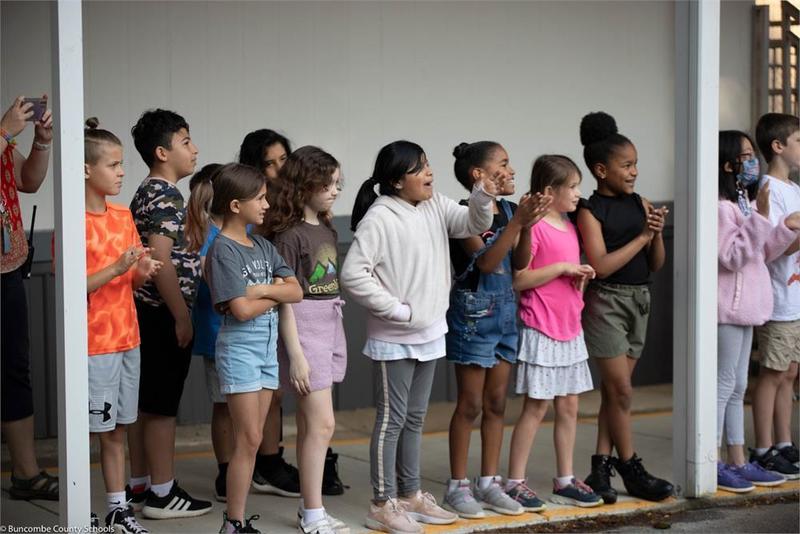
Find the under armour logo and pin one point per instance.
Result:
(105, 412)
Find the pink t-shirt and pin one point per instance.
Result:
(555, 307)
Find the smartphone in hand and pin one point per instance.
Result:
(39, 107)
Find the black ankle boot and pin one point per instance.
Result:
(600, 477)
(640, 483)
(331, 483)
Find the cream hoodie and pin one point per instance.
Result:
(400, 255)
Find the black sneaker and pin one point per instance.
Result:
(600, 478)
(640, 483)
(331, 483)
(122, 520)
(273, 475)
(233, 526)
(94, 521)
(774, 462)
(220, 484)
(176, 503)
(791, 454)
(137, 499)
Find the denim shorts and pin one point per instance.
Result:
(246, 354)
(482, 327)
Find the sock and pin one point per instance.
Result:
(453, 484)
(485, 482)
(761, 450)
(783, 445)
(223, 469)
(314, 514)
(564, 481)
(115, 500)
(139, 484)
(302, 504)
(511, 482)
(162, 490)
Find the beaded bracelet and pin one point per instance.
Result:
(41, 146)
(10, 139)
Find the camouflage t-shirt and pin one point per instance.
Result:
(158, 209)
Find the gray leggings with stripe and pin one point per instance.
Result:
(402, 391)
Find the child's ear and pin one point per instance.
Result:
(162, 154)
(475, 173)
(234, 206)
(727, 167)
(85, 171)
(600, 170)
(776, 146)
(549, 190)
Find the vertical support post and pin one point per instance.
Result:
(71, 341)
(696, 197)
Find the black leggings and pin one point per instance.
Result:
(17, 395)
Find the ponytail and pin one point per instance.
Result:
(394, 161)
(198, 209)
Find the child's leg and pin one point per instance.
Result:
(409, 445)
(136, 449)
(248, 412)
(221, 432)
(769, 381)
(112, 460)
(739, 340)
(566, 422)
(495, 393)
(615, 407)
(273, 426)
(159, 446)
(783, 406)
(392, 383)
(730, 339)
(470, 381)
(530, 418)
(316, 410)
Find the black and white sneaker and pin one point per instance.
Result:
(136, 498)
(274, 475)
(176, 503)
(774, 462)
(122, 521)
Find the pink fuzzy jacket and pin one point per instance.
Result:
(746, 245)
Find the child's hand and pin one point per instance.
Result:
(147, 266)
(580, 274)
(656, 218)
(489, 185)
(762, 200)
(14, 118)
(184, 331)
(792, 222)
(127, 259)
(532, 209)
(43, 130)
(300, 374)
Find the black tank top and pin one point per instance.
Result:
(622, 218)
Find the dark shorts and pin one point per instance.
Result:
(482, 327)
(615, 319)
(164, 364)
(17, 395)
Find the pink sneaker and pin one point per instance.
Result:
(422, 507)
(392, 518)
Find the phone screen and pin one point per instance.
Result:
(39, 107)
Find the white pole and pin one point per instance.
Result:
(73, 415)
(695, 283)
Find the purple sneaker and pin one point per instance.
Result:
(757, 475)
(729, 480)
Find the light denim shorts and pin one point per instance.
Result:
(246, 354)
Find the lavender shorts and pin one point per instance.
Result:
(319, 325)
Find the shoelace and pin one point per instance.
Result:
(525, 491)
(247, 526)
(639, 470)
(133, 526)
(427, 497)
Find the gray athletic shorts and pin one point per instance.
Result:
(212, 382)
(113, 389)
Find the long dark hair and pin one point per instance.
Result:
(730, 147)
(307, 170)
(394, 161)
(471, 155)
(253, 145)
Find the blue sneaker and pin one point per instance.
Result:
(757, 475)
(526, 497)
(576, 493)
(729, 480)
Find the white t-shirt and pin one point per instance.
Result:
(784, 199)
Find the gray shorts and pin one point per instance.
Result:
(615, 319)
(113, 389)
(212, 382)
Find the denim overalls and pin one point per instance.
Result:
(483, 323)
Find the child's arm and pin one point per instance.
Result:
(530, 278)
(100, 278)
(775, 245)
(607, 263)
(299, 371)
(166, 282)
(656, 254)
(263, 297)
(463, 222)
(146, 269)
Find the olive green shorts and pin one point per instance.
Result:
(615, 319)
(779, 344)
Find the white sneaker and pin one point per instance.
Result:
(320, 526)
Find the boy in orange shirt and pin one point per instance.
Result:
(116, 264)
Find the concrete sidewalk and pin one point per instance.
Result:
(196, 468)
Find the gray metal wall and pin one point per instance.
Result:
(354, 392)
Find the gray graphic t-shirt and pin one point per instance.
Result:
(231, 267)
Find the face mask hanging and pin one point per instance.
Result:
(748, 176)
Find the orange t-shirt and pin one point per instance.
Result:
(113, 326)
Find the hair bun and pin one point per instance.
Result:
(460, 149)
(91, 123)
(597, 126)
